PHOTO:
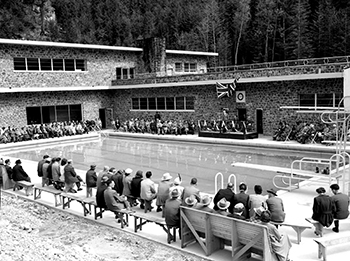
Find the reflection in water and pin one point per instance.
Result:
(188, 159)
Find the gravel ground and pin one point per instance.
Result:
(32, 232)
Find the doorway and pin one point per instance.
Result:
(102, 116)
(259, 121)
(242, 114)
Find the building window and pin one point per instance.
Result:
(320, 100)
(178, 67)
(19, 64)
(125, 73)
(47, 64)
(48, 114)
(163, 103)
(190, 67)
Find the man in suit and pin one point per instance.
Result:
(322, 209)
(227, 193)
(18, 172)
(243, 198)
(190, 190)
(91, 180)
(70, 177)
(341, 206)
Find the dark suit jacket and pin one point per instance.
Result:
(275, 206)
(91, 178)
(341, 206)
(70, 176)
(244, 199)
(226, 193)
(19, 173)
(322, 210)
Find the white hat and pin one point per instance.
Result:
(177, 181)
(128, 171)
(166, 176)
(223, 204)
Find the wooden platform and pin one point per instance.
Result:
(229, 135)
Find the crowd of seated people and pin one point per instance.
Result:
(179, 127)
(305, 132)
(226, 126)
(47, 130)
(155, 126)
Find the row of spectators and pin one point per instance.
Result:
(179, 127)
(304, 132)
(157, 126)
(48, 130)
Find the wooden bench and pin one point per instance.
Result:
(244, 237)
(299, 228)
(38, 189)
(328, 241)
(141, 219)
(28, 187)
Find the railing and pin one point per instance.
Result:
(283, 68)
(279, 64)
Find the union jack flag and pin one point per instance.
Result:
(222, 90)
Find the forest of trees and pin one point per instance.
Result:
(241, 31)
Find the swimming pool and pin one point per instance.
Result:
(202, 161)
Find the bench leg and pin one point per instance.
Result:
(322, 252)
(299, 230)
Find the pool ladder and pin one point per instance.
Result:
(336, 167)
(219, 178)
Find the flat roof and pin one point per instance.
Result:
(95, 46)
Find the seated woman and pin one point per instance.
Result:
(280, 243)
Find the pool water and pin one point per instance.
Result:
(202, 161)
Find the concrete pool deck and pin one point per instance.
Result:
(298, 203)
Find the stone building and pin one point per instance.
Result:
(44, 81)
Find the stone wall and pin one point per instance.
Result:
(101, 65)
(13, 106)
(268, 96)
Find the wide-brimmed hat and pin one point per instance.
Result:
(128, 171)
(175, 193)
(259, 210)
(205, 200)
(166, 176)
(177, 181)
(223, 204)
(239, 207)
(272, 191)
(191, 200)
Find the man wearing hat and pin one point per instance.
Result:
(91, 180)
(203, 204)
(275, 206)
(177, 185)
(341, 206)
(172, 213)
(238, 211)
(322, 209)
(223, 205)
(18, 172)
(163, 191)
(191, 201)
(127, 185)
(227, 193)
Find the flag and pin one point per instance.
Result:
(222, 90)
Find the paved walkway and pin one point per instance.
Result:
(298, 203)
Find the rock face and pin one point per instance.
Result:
(31, 231)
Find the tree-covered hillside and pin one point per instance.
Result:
(241, 31)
